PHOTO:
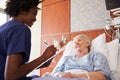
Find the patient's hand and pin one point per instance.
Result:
(63, 74)
(69, 75)
(47, 74)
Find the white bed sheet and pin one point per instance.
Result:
(50, 78)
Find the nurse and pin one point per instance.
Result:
(15, 41)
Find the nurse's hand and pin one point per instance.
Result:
(49, 52)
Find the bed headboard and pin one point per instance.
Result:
(91, 33)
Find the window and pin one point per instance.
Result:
(3, 16)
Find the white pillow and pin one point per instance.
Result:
(70, 49)
(113, 53)
(118, 67)
(110, 49)
(99, 44)
(116, 75)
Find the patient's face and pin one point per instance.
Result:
(80, 44)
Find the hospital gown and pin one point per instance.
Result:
(90, 62)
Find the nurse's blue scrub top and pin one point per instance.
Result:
(14, 37)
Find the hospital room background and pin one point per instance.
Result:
(58, 18)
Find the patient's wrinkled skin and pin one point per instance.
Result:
(81, 45)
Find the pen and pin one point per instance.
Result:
(45, 43)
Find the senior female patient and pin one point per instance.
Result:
(85, 64)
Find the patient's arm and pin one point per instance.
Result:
(92, 75)
(97, 76)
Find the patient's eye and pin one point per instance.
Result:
(79, 40)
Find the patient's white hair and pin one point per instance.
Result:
(83, 37)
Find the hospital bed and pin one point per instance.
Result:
(101, 42)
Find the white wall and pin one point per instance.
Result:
(36, 39)
(88, 14)
(2, 3)
(3, 16)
